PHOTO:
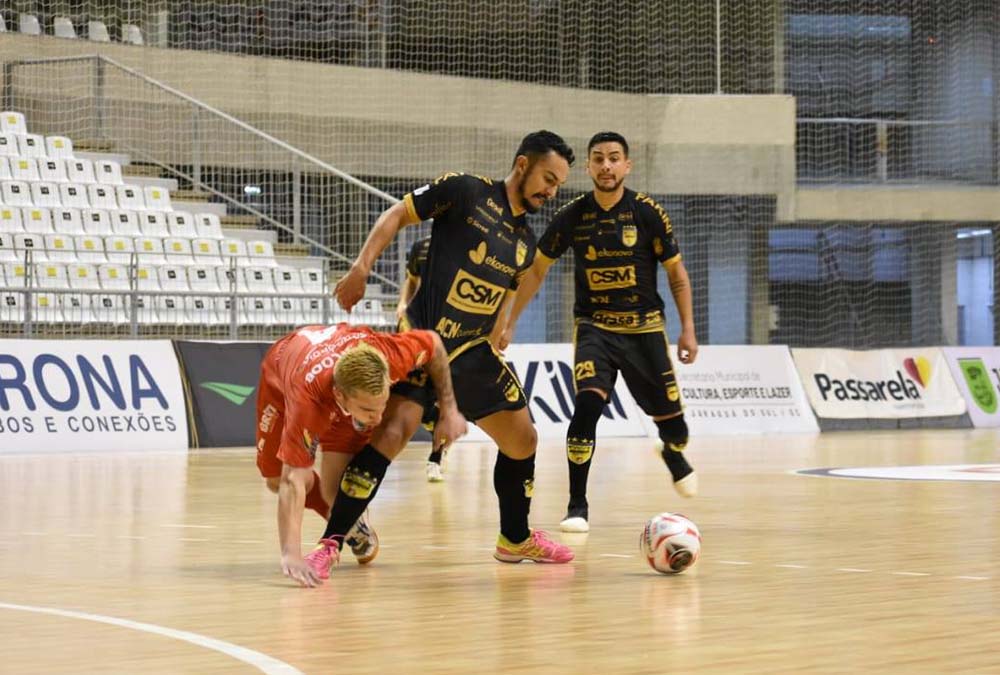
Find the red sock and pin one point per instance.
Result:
(315, 501)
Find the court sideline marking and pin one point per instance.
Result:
(261, 662)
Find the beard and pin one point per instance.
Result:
(601, 188)
(528, 206)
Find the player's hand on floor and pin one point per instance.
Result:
(296, 568)
(451, 426)
(687, 347)
(351, 288)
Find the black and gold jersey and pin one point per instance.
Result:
(417, 257)
(617, 253)
(478, 250)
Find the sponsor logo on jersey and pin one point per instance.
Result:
(503, 267)
(478, 254)
(617, 319)
(657, 247)
(593, 253)
(589, 216)
(630, 234)
(267, 418)
(472, 294)
(493, 205)
(608, 278)
(521, 252)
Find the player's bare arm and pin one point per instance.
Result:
(451, 424)
(291, 504)
(680, 288)
(351, 287)
(527, 288)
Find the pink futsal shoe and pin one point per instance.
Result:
(323, 557)
(537, 547)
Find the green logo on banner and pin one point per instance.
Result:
(234, 393)
(979, 384)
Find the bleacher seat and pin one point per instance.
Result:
(130, 197)
(90, 248)
(31, 145)
(97, 31)
(51, 274)
(260, 252)
(202, 311)
(28, 24)
(119, 249)
(67, 221)
(101, 196)
(37, 220)
(232, 248)
(12, 307)
(125, 223)
(27, 241)
(153, 224)
(178, 250)
(312, 280)
(157, 199)
(74, 195)
(5, 173)
(173, 278)
(7, 248)
(80, 171)
(286, 311)
(150, 250)
(203, 278)
(181, 224)
(59, 247)
(108, 171)
(170, 310)
(77, 308)
(13, 122)
(24, 169)
(16, 274)
(256, 311)
(208, 226)
(259, 280)
(62, 27)
(15, 193)
(206, 252)
(287, 280)
(96, 222)
(10, 220)
(109, 309)
(227, 276)
(58, 147)
(45, 194)
(52, 170)
(113, 276)
(82, 275)
(312, 311)
(147, 277)
(8, 144)
(132, 34)
(45, 308)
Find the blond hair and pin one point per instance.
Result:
(361, 368)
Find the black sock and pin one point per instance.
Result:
(580, 442)
(361, 481)
(435, 456)
(514, 481)
(674, 434)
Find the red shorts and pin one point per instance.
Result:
(277, 445)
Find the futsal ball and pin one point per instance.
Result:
(670, 543)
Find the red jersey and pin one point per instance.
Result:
(296, 397)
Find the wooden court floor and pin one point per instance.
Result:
(168, 564)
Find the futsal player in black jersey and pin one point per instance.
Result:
(619, 237)
(480, 247)
(415, 261)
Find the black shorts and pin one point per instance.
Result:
(482, 381)
(643, 361)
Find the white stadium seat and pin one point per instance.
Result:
(208, 226)
(173, 278)
(150, 250)
(8, 145)
(227, 275)
(232, 248)
(113, 276)
(80, 171)
(28, 24)
(74, 194)
(96, 222)
(27, 241)
(132, 34)
(60, 247)
(51, 275)
(260, 252)
(52, 170)
(90, 248)
(206, 252)
(12, 122)
(257, 311)
(312, 280)
(125, 223)
(15, 193)
(203, 278)
(108, 171)
(153, 224)
(287, 280)
(37, 220)
(82, 275)
(45, 308)
(202, 311)
(62, 27)
(77, 308)
(119, 249)
(97, 31)
(259, 279)
(16, 274)
(58, 147)
(147, 277)
(12, 307)
(181, 224)
(170, 310)
(45, 194)
(67, 221)
(109, 309)
(178, 250)
(157, 198)
(5, 173)
(130, 197)
(102, 196)
(24, 168)
(31, 145)
(7, 248)
(286, 311)
(10, 220)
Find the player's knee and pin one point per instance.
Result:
(393, 434)
(522, 442)
(273, 482)
(673, 432)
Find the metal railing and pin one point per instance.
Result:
(157, 124)
(868, 150)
